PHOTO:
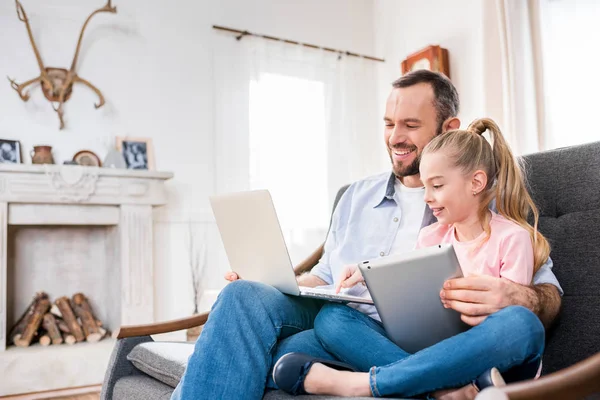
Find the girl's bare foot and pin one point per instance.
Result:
(324, 380)
(467, 392)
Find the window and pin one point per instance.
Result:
(288, 156)
(570, 31)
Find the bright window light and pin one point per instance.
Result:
(570, 32)
(288, 156)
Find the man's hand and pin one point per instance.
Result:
(349, 277)
(307, 280)
(310, 280)
(476, 297)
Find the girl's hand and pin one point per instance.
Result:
(231, 276)
(349, 277)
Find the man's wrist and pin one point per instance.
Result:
(530, 299)
(309, 280)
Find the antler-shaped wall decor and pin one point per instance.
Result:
(57, 83)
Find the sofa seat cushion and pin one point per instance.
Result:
(141, 387)
(164, 361)
(281, 395)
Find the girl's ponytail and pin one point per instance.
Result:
(512, 198)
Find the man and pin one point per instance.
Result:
(251, 325)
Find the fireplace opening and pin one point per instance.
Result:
(77, 269)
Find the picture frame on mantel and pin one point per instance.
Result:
(137, 152)
(10, 151)
(433, 58)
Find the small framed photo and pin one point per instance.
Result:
(10, 151)
(433, 58)
(137, 152)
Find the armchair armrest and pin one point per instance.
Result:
(162, 327)
(574, 382)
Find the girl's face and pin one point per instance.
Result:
(448, 190)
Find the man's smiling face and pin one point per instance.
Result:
(410, 123)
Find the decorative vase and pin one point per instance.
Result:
(114, 159)
(42, 155)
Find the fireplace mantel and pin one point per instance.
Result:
(87, 196)
(68, 184)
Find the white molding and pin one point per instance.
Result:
(69, 184)
(124, 173)
(3, 274)
(62, 214)
(137, 272)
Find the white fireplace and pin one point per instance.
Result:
(68, 229)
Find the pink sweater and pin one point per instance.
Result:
(508, 253)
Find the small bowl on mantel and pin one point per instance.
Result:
(87, 158)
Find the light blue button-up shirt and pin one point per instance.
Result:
(364, 226)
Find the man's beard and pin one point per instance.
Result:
(401, 170)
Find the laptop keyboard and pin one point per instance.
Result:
(328, 294)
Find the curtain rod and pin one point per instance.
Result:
(241, 34)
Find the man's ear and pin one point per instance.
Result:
(450, 124)
(479, 181)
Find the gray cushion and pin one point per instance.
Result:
(279, 395)
(141, 387)
(164, 361)
(565, 185)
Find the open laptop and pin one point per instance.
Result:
(406, 290)
(256, 248)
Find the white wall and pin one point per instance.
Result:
(467, 28)
(152, 61)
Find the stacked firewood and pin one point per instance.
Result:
(64, 321)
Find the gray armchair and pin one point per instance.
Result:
(565, 184)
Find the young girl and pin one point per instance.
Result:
(462, 174)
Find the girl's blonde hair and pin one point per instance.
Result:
(470, 151)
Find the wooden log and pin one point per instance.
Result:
(54, 310)
(70, 339)
(64, 305)
(19, 327)
(62, 325)
(82, 309)
(81, 300)
(45, 340)
(33, 323)
(50, 325)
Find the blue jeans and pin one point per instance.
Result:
(249, 326)
(511, 340)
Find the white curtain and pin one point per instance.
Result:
(296, 121)
(522, 89)
(547, 50)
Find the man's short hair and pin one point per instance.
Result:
(445, 101)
